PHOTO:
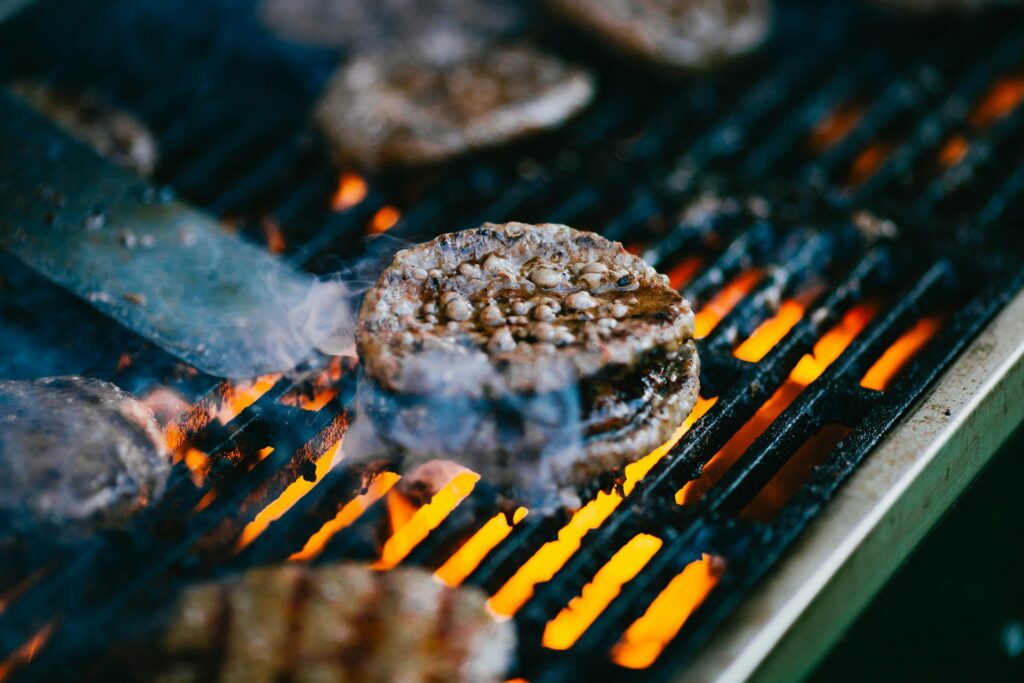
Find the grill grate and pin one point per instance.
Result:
(230, 108)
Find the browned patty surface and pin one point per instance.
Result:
(363, 25)
(410, 108)
(76, 455)
(113, 133)
(679, 34)
(340, 622)
(519, 310)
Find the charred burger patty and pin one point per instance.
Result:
(482, 345)
(408, 107)
(76, 455)
(340, 622)
(678, 34)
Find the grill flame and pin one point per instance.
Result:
(351, 191)
(810, 367)
(289, 497)
(647, 636)
(564, 630)
(553, 555)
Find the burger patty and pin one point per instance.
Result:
(341, 622)
(678, 34)
(409, 107)
(483, 344)
(76, 455)
(378, 25)
(113, 133)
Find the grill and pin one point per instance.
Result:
(835, 207)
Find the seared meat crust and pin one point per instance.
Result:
(678, 34)
(76, 455)
(485, 345)
(113, 133)
(409, 108)
(341, 622)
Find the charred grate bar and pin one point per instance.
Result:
(866, 124)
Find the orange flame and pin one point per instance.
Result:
(27, 652)
(791, 476)
(351, 191)
(724, 301)
(241, 395)
(468, 557)
(770, 332)
(384, 219)
(348, 514)
(1002, 98)
(198, 464)
(866, 163)
(647, 636)
(953, 151)
(426, 519)
(565, 629)
(835, 126)
(289, 497)
(273, 236)
(901, 352)
(810, 367)
(553, 555)
(680, 274)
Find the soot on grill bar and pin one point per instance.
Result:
(465, 340)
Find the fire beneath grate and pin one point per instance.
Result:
(819, 324)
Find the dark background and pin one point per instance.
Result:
(955, 610)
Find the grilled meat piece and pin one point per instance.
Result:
(379, 25)
(76, 455)
(341, 622)
(113, 133)
(678, 34)
(409, 108)
(489, 345)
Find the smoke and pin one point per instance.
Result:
(466, 412)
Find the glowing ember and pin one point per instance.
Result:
(239, 396)
(953, 151)
(565, 629)
(205, 501)
(27, 652)
(273, 236)
(1000, 101)
(198, 464)
(323, 389)
(348, 514)
(426, 519)
(289, 497)
(680, 274)
(810, 367)
(724, 301)
(467, 558)
(791, 476)
(834, 127)
(384, 219)
(648, 635)
(351, 190)
(553, 555)
(901, 352)
(770, 332)
(866, 163)
(635, 471)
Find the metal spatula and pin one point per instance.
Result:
(161, 268)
